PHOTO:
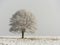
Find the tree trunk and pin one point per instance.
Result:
(22, 34)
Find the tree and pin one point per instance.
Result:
(22, 21)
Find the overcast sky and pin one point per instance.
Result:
(47, 13)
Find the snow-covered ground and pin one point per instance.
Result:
(29, 41)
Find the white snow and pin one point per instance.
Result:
(5, 40)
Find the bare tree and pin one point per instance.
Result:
(22, 21)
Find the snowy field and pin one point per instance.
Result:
(30, 41)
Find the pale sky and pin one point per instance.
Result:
(47, 13)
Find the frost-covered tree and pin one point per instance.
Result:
(22, 21)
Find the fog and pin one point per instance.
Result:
(47, 13)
